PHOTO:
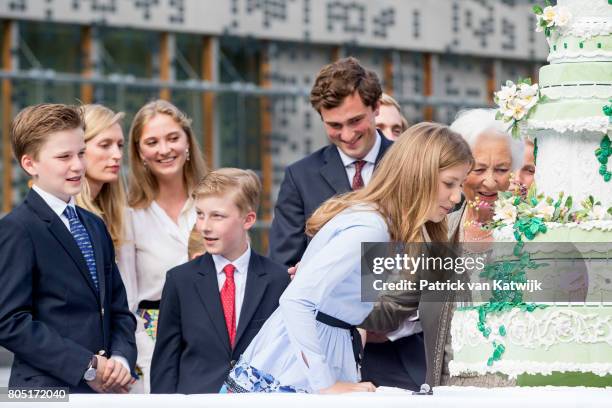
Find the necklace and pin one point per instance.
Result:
(471, 236)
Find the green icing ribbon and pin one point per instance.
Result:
(603, 152)
(510, 271)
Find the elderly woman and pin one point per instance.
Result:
(496, 155)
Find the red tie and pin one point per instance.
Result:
(357, 179)
(228, 300)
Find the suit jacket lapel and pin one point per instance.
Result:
(61, 233)
(208, 288)
(256, 285)
(384, 145)
(333, 170)
(96, 243)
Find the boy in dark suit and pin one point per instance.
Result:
(63, 307)
(213, 306)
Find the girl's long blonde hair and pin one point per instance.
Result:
(405, 184)
(143, 186)
(110, 202)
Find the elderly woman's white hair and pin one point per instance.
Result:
(474, 122)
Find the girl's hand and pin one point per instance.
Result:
(343, 387)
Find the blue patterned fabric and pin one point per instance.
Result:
(81, 237)
(245, 378)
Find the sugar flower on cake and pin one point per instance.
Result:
(544, 210)
(505, 211)
(516, 101)
(598, 212)
(551, 17)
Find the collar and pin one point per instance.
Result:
(57, 204)
(241, 263)
(370, 157)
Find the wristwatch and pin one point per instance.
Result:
(90, 373)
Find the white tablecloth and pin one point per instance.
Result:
(453, 397)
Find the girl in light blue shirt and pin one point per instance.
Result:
(310, 343)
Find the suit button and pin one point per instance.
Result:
(232, 363)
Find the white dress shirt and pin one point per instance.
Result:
(240, 276)
(368, 168)
(154, 245)
(59, 206)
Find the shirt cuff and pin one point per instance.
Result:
(411, 325)
(122, 360)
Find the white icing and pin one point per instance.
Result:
(531, 331)
(515, 368)
(557, 57)
(587, 9)
(528, 330)
(578, 91)
(506, 233)
(567, 162)
(598, 124)
(588, 28)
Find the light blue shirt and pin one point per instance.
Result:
(293, 346)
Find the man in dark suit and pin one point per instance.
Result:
(63, 307)
(213, 306)
(346, 96)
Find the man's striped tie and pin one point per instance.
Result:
(81, 237)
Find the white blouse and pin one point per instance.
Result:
(154, 244)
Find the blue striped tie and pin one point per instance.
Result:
(81, 237)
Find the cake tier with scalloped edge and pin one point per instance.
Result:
(554, 339)
(586, 36)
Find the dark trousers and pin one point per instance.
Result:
(399, 363)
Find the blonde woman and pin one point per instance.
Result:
(306, 344)
(165, 165)
(103, 191)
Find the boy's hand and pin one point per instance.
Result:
(115, 377)
(96, 383)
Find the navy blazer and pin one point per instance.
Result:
(51, 316)
(192, 351)
(307, 184)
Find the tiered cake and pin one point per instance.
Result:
(571, 125)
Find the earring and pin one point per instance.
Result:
(144, 164)
(187, 153)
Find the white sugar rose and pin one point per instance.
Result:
(506, 92)
(598, 212)
(528, 95)
(544, 210)
(562, 16)
(506, 213)
(549, 15)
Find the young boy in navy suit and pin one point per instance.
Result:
(213, 306)
(63, 307)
